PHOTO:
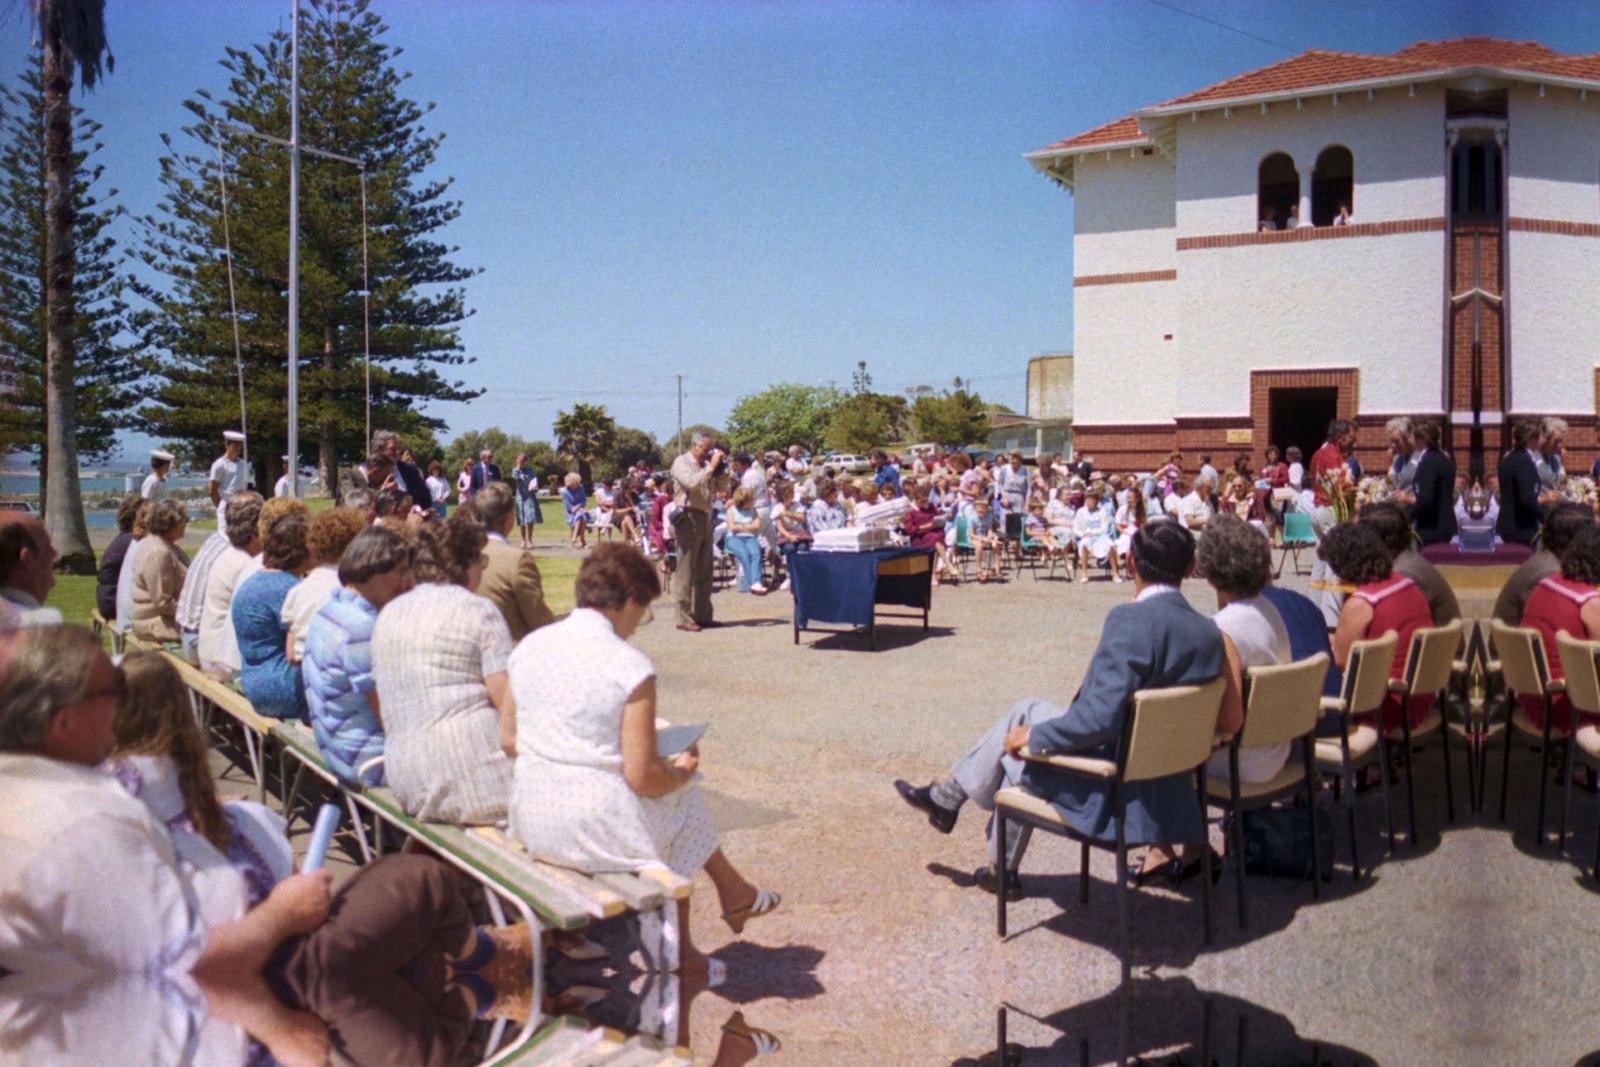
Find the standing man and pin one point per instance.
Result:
(1522, 503)
(1430, 502)
(1011, 485)
(1327, 461)
(1403, 443)
(155, 483)
(408, 476)
(27, 572)
(484, 471)
(797, 467)
(698, 475)
(886, 473)
(284, 488)
(229, 474)
(1206, 469)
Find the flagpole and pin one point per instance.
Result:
(293, 443)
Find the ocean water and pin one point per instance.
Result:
(28, 483)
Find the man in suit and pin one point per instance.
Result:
(1522, 504)
(1157, 641)
(484, 471)
(407, 476)
(1431, 499)
(511, 580)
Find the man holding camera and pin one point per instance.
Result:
(697, 476)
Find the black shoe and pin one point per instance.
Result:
(920, 797)
(984, 876)
(1140, 876)
(1185, 871)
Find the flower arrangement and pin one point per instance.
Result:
(1340, 492)
(1373, 489)
(1580, 491)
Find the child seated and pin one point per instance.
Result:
(984, 534)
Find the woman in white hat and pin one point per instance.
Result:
(155, 483)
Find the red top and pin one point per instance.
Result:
(1275, 474)
(919, 526)
(1325, 459)
(1398, 605)
(1556, 604)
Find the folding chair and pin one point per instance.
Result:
(1281, 705)
(962, 553)
(1297, 537)
(1430, 662)
(1580, 663)
(1165, 732)
(1520, 650)
(1366, 684)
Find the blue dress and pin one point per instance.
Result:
(270, 682)
(527, 485)
(573, 502)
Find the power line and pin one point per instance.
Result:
(1224, 26)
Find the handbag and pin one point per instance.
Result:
(1277, 842)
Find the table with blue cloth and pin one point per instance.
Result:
(846, 588)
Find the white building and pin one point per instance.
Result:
(1340, 235)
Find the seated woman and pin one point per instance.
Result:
(1382, 602)
(1091, 529)
(439, 657)
(105, 589)
(159, 566)
(627, 511)
(575, 506)
(341, 694)
(1037, 527)
(268, 679)
(1568, 602)
(233, 853)
(743, 541)
(124, 596)
(925, 527)
(328, 536)
(1131, 514)
(590, 792)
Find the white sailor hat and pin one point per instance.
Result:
(233, 435)
(157, 454)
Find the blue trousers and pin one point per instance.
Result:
(746, 552)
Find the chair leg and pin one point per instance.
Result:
(1505, 765)
(1449, 785)
(1566, 796)
(1000, 870)
(1411, 792)
(1383, 782)
(1237, 847)
(1124, 905)
(1597, 851)
(1544, 772)
(1311, 813)
(1083, 872)
(1205, 855)
(1350, 812)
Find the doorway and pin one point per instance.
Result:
(1300, 418)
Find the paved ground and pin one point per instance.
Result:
(1468, 948)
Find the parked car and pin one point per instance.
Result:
(18, 505)
(849, 464)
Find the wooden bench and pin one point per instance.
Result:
(103, 626)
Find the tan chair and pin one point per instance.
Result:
(1580, 662)
(1523, 667)
(1281, 705)
(1430, 663)
(1166, 732)
(1366, 684)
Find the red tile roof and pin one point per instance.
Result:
(1319, 69)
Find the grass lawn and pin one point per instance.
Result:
(74, 594)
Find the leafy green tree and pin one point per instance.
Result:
(106, 377)
(628, 446)
(782, 415)
(351, 102)
(504, 446)
(72, 36)
(858, 424)
(952, 418)
(584, 435)
(678, 444)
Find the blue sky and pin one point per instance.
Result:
(754, 192)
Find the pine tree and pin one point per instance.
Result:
(106, 376)
(350, 103)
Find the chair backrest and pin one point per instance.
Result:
(1282, 702)
(1171, 730)
(1366, 673)
(961, 532)
(1297, 527)
(1578, 663)
(1431, 658)
(1520, 651)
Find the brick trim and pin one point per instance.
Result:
(1556, 226)
(1313, 233)
(1130, 276)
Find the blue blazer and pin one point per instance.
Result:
(1149, 644)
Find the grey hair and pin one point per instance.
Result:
(381, 439)
(242, 513)
(1234, 556)
(360, 498)
(700, 437)
(166, 516)
(492, 504)
(1553, 425)
(1400, 424)
(375, 550)
(47, 668)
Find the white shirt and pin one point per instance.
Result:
(438, 488)
(218, 644)
(303, 602)
(192, 597)
(232, 476)
(1192, 507)
(19, 610)
(755, 481)
(1259, 636)
(124, 618)
(154, 487)
(90, 880)
(282, 488)
(1297, 475)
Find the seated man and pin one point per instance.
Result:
(511, 579)
(1390, 520)
(1157, 641)
(27, 572)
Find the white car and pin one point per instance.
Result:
(847, 464)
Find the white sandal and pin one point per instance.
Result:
(766, 901)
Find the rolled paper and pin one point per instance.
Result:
(321, 835)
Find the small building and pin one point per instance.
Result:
(1339, 235)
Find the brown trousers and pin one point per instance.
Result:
(691, 581)
(375, 971)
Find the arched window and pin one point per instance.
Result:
(1277, 191)
(1333, 186)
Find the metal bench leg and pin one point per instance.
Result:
(1000, 870)
(360, 828)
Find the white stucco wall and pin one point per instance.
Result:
(1372, 302)
(1553, 173)
(1397, 142)
(1554, 154)
(1123, 371)
(1123, 213)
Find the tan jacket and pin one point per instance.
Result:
(697, 487)
(511, 582)
(158, 570)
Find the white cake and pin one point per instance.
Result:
(851, 539)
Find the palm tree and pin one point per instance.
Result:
(583, 435)
(73, 33)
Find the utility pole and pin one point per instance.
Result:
(293, 433)
(680, 412)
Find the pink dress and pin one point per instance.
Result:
(1398, 605)
(1556, 605)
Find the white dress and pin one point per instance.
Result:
(305, 600)
(432, 648)
(571, 805)
(1258, 634)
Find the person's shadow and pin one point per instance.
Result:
(1164, 1021)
